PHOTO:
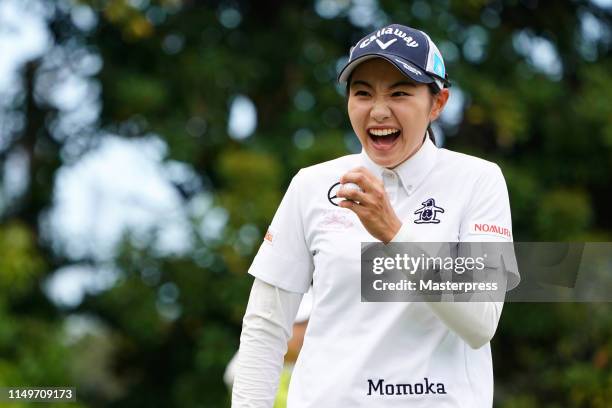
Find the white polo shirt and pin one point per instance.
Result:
(358, 354)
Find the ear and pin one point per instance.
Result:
(439, 101)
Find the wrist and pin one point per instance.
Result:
(393, 231)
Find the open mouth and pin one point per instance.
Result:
(383, 139)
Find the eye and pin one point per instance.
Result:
(400, 93)
(361, 93)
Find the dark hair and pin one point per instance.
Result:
(433, 89)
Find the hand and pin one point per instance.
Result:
(371, 204)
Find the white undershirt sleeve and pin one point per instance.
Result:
(266, 328)
(474, 322)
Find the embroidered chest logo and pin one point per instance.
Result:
(331, 194)
(428, 212)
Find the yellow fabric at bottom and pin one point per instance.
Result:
(283, 389)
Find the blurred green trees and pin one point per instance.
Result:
(531, 89)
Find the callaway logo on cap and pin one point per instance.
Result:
(410, 50)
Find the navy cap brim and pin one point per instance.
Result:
(405, 67)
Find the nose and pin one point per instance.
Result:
(380, 111)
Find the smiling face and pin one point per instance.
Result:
(389, 112)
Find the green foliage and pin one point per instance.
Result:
(244, 197)
(20, 264)
(570, 206)
(146, 95)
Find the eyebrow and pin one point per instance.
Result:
(403, 83)
(395, 85)
(360, 82)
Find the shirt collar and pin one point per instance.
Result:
(411, 172)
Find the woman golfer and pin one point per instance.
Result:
(358, 354)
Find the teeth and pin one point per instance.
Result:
(383, 132)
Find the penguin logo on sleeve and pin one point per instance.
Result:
(428, 212)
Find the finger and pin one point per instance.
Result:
(351, 205)
(375, 197)
(363, 170)
(355, 171)
(359, 178)
(352, 194)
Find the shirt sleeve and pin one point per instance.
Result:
(487, 220)
(266, 328)
(284, 259)
(487, 215)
